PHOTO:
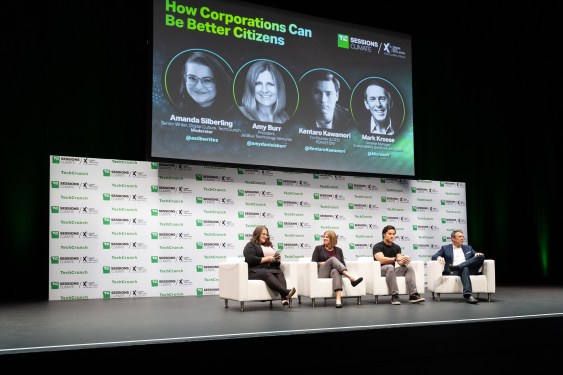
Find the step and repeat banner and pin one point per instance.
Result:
(127, 229)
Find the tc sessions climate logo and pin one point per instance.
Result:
(73, 160)
(385, 48)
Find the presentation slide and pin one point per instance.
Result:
(242, 84)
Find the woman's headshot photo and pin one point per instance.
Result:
(325, 99)
(377, 107)
(203, 84)
(267, 96)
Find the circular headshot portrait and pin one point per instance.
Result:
(198, 83)
(377, 107)
(324, 101)
(265, 91)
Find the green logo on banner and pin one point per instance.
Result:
(415, 246)
(154, 283)
(106, 220)
(241, 215)
(415, 227)
(54, 234)
(350, 186)
(56, 159)
(199, 291)
(413, 190)
(280, 246)
(443, 220)
(154, 235)
(106, 294)
(384, 219)
(317, 237)
(154, 259)
(54, 209)
(199, 200)
(352, 246)
(154, 165)
(106, 172)
(154, 188)
(444, 238)
(240, 171)
(279, 182)
(199, 245)
(343, 41)
(383, 199)
(199, 223)
(241, 236)
(55, 184)
(240, 192)
(54, 260)
(106, 269)
(280, 224)
(106, 246)
(351, 226)
(199, 177)
(54, 285)
(280, 203)
(154, 211)
(317, 216)
(316, 196)
(351, 206)
(199, 268)
(106, 196)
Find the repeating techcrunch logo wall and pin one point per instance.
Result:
(129, 229)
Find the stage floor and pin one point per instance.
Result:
(67, 325)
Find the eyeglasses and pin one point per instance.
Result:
(207, 82)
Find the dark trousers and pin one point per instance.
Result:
(467, 268)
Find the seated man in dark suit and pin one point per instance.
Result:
(462, 260)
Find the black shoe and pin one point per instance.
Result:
(472, 300)
(454, 268)
(357, 281)
(415, 298)
(338, 305)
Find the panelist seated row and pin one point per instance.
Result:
(454, 268)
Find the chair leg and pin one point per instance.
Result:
(226, 303)
(271, 303)
(376, 300)
(359, 300)
(242, 306)
(489, 297)
(313, 301)
(438, 297)
(299, 299)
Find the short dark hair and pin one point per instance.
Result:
(387, 228)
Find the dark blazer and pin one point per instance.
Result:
(340, 120)
(447, 252)
(253, 255)
(320, 256)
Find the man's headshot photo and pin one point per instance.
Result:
(376, 114)
(321, 109)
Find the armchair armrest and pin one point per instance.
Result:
(233, 280)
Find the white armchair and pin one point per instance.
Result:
(234, 284)
(376, 285)
(311, 286)
(438, 283)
